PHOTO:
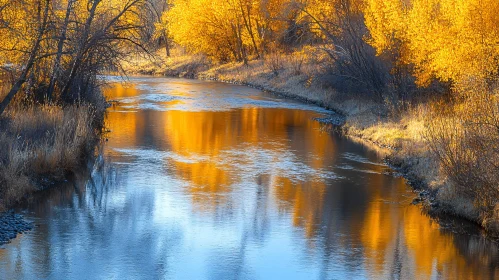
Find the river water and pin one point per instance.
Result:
(203, 180)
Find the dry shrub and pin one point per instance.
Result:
(465, 139)
(296, 62)
(42, 144)
(274, 61)
(308, 60)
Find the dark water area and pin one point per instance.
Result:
(203, 180)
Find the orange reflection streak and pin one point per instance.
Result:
(305, 200)
(431, 247)
(118, 90)
(124, 125)
(193, 135)
(379, 233)
(208, 134)
(391, 229)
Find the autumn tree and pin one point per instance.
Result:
(161, 23)
(59, 46)
(224, 30)
(340, 24)
(450, 40)
(30, 36)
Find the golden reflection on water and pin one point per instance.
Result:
(207, 134)
(393, 233)
(395, 237)
(305, 202)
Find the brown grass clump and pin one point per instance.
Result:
(41, 144)
(274, 62)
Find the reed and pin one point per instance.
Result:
(41, 144)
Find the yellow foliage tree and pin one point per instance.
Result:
(61, 45)
(224, 29)
(451, 40)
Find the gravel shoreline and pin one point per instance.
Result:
(12, 224)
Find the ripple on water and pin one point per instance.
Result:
(360, 159)
(207, 101)
(252, 161)
(247, 162)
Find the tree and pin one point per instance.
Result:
(59, 46)
(451, 40)
(340, 24)
(161, 24)
(42, 14)
(223, 29)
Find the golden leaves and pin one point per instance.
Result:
(446, 39)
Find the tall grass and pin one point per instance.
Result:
(40, 144)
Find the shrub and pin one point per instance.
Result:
(465, 139)
(274, 61)
(296, 62)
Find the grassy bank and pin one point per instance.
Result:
(409, 135)
(42, 144)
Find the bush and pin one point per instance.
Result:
(296, 62)
(274, 61)
(465, 139)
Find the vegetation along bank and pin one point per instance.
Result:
(51, 105)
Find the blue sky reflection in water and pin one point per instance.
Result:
(202, 180)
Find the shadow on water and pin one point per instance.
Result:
(222, 183)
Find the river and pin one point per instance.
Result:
(204, 180)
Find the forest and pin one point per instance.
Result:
(419, 77)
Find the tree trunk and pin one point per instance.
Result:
(31, 61)
(167, 44)
(85, 42)
(60, 46)
(249, 28)
(81, 48)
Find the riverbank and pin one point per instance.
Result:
(42, 144)
(399, 137)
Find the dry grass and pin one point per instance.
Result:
(452, 148)
(179, 64)
(40, 144)
(284, 75)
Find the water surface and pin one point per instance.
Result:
(202, 180)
